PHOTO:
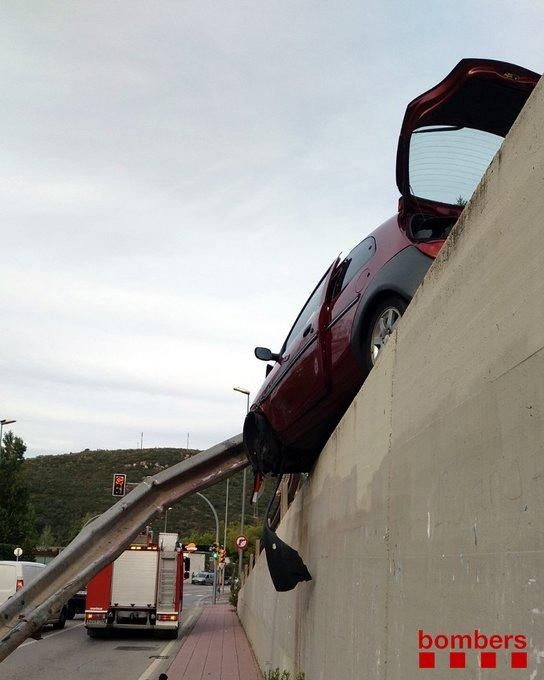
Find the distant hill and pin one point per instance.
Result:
(68, 489)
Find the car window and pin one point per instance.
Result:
(308, 311)
(447, 163)
(354, 262)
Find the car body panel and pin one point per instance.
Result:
(202, 578)
(16, 574)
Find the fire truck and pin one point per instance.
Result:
(141, 590)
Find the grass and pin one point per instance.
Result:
(276, 674)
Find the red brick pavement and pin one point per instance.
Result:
(216, 649)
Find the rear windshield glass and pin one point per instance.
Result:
(447, 163)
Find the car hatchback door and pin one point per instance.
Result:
(451, 133)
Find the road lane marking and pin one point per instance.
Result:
(155, 664)
(184, 631)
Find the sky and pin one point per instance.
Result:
(174, 179)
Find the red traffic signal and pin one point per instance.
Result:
(119, 484)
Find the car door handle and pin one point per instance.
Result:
(309, 329)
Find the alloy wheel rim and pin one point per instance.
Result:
(383, 328)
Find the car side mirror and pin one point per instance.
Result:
(264, 354)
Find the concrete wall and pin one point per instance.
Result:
(432, 487)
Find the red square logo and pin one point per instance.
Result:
(457, 659)
(519, 660)
(488, 660)
(426, 659)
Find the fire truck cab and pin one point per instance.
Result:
(141, 590)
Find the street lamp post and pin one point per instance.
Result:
(2, 423)
(166, 519)
(244, 481)
(217, 543)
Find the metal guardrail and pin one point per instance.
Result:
(105, 538)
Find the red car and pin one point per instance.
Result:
(448, 137)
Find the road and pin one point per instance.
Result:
(70, 653)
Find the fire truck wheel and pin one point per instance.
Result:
(96, 633)
(166, 634)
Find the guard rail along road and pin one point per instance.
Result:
(424, 515)
(101, 541)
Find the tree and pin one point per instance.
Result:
(17, 516)
(47, 538)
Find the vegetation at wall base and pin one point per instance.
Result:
(234, 590)
(276, 674)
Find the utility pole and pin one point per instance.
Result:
(216, 542)
(244, 481)
(166, 519)
(226, 515)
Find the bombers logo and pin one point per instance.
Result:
(482, 648)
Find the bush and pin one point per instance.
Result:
(276, 674)
(234, 590)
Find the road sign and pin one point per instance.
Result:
(242, 542)
(18, 552)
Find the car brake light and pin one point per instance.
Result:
(167, 617)
(95, 616)
(431, 249)
(19, 584)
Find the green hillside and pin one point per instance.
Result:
(68, 489)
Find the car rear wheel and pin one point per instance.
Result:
(384, 321)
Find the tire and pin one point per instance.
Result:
(62, 619)
(70, 613)
(263, 448)
(166, 634)
(382, 323)
(94, 633)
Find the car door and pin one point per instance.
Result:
(302, 380)
(356, 271)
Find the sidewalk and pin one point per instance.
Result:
(216, 649)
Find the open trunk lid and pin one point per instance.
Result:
(451, 132)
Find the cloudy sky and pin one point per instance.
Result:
(175, 177)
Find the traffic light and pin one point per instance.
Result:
(214, 549)
(119, 483)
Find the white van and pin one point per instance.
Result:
(15, 575)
